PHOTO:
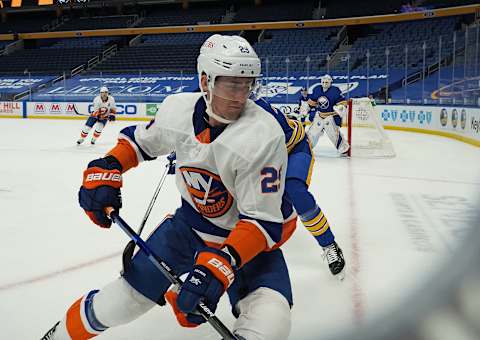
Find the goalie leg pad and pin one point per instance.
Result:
(316, 130)
(264, 314)
(332, 129)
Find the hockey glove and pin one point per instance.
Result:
(182, 319)
(102, 181)
(111, 118)
(209, 278)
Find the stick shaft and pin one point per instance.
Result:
(202, 309)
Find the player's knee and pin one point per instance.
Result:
(264, 315)
(119, 303)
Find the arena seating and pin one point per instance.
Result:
(92, 23)
(275, 11)
(297, 45)
(175, 17)
(22, 23)
(51, 60)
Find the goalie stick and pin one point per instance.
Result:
(202, 309)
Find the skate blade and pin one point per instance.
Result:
(341, 276)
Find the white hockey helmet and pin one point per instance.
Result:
(223, 55)
(103, 89)
(326, 81)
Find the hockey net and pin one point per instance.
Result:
(366, 135)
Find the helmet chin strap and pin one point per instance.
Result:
(210, 112)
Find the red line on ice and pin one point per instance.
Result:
(59, 272)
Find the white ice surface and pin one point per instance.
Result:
(396, 220)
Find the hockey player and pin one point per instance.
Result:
(226, 233)
(297, 181)
(302, 112)
(104, 110)
(300, 164)
(331, 107)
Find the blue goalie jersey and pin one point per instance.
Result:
(327, 99)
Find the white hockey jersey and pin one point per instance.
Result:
(103, 108)
(239, 174)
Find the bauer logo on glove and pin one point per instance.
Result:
(102, 181)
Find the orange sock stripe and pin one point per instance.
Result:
(96, 134)
(125, 154)
(75, 327)
(247, 240)
(84, 134)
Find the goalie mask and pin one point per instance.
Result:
(231, 66)
(326, 82)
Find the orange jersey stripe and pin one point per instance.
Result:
(75, 327)
(125, 154)
(247, 240)
(287, 231)
(204, 136)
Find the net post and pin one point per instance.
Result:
(349, 126)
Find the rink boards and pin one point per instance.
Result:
(461, 123)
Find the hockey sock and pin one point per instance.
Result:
(81, 321)
(85, 131)
(317, 224)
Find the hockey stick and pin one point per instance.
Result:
(78, 113)
(202, 309)
(128, 251)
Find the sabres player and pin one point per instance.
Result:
(297, 181)
(331, 106)
(104, 110)
(230, 172)
(302, 112)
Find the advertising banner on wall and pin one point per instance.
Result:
(277, 88)
(458, 121)
(11, 109)
(79, 109)
(18, 84)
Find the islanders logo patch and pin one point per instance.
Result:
(210, 196)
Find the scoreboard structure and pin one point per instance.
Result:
(20, 3)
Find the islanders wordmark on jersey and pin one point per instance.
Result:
(209, 194)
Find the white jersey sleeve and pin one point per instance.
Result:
(160, 136)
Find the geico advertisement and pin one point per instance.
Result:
(82, 109)
(11, 108)
(459, 120)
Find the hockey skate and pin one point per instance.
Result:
(335, 260)
(51, 333)
(80, 141)
(93, 141)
